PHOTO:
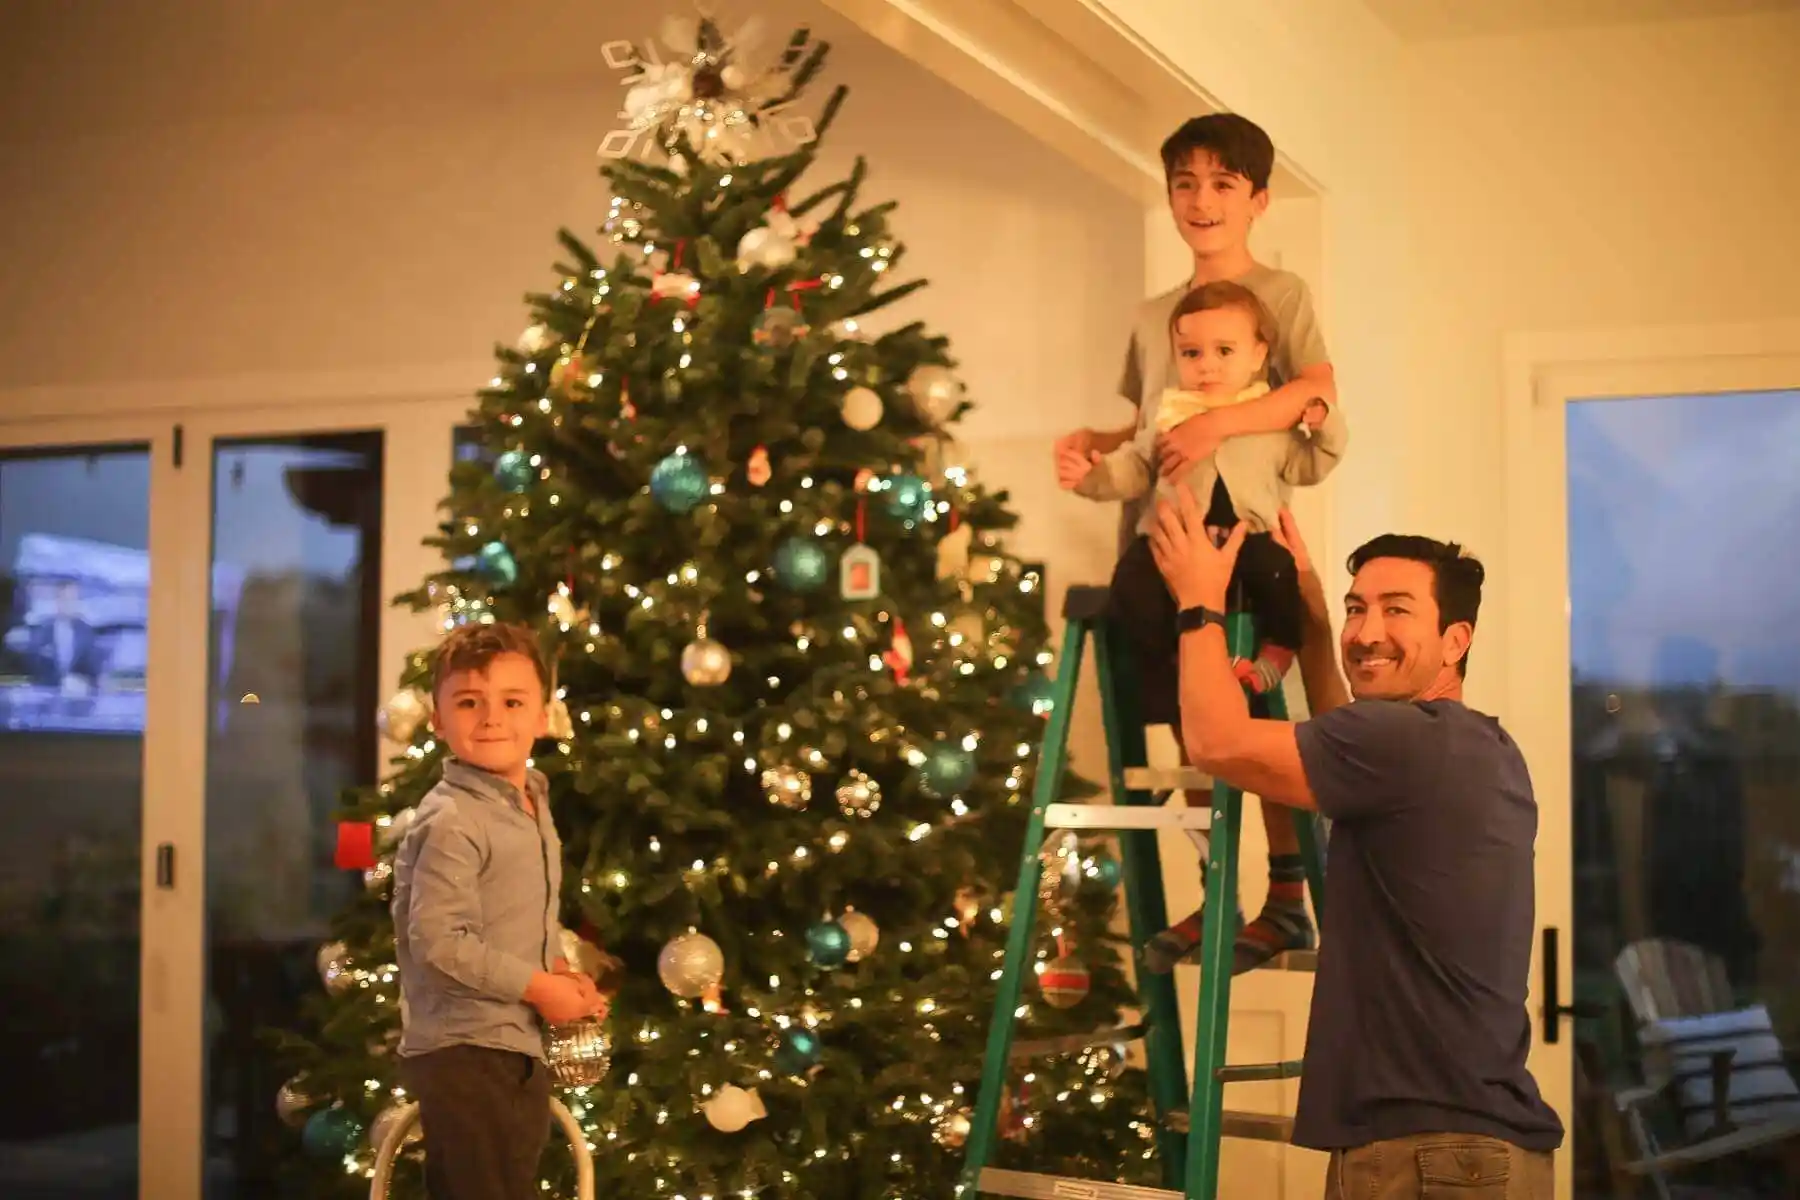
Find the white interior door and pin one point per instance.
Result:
(1652, 581)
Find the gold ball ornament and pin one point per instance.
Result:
(732, 1107)
(690, 964)
(557, 721)
(865, 935)
(401, 718)
(578, 1052)
(789, 787)
(951, 1129)
(858, 795)
(706, 662)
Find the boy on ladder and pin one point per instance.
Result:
(1237, 406)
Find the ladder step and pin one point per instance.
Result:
(1294, 960)
(1126, 816)
(1076, 1041)
(1251, 1072)
(1255, 1127)
(1168, 779)
(1062, 1187)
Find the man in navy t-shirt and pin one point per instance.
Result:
(1415, 1052)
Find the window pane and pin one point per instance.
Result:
(1684, 589)
(296, 544)
(74, 593)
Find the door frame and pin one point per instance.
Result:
(1543, 373)
(417, 448)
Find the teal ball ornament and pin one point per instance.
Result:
(908, 497)
(513, 471)
(801, 564)
(330, 1133)
(495, 563)
(947, 770)
(799, 1051)
(678, 482)
(1036, 694)
(1101, 873)
(828, 943)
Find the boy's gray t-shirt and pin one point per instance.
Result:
(1418, 1021)
(1150, 365)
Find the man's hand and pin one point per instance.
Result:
(1188, 445)
(562, 998)
(1198, 573)
(1287, 536)
(1315, 414)
(1073, 464)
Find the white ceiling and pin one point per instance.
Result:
(1424, 20)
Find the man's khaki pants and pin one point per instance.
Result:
(1440, 1166)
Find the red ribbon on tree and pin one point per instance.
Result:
(355, 846)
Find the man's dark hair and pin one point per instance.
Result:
(1238, 143)
(1456, 576)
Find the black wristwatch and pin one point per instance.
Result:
(1198, 617)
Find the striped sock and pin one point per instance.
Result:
(1263, 674)
(1178, 941)
(1283, 923)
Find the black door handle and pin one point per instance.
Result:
(1554, 1009)
(165, 865)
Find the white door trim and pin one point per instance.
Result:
(1543, 373)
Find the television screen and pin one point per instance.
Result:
(73, 643)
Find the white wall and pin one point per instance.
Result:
(273, 192)
(1584, 180)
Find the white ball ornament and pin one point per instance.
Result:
(732, 1107)
(862, 408)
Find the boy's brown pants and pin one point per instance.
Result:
(486, 1116)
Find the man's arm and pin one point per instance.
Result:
(1223, 739)
(1108, 440)
(1319, 673)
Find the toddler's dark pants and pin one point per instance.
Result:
(1264, 583)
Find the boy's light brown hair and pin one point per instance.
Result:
(473, 646)
(1210, 297)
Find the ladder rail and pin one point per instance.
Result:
(985, 1121)
(1146, 905)
(1217, 946)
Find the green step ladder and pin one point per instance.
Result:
(1189, 1126)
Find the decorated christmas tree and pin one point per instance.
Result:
(799, 690)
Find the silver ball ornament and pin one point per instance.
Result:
(292, 1103)
(389, 1118)
(935, 392)
(690, 964)
(334, 967)
(400, 719)
(706, 662)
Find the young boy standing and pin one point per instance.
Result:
(477, 881)
(1217, 168)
